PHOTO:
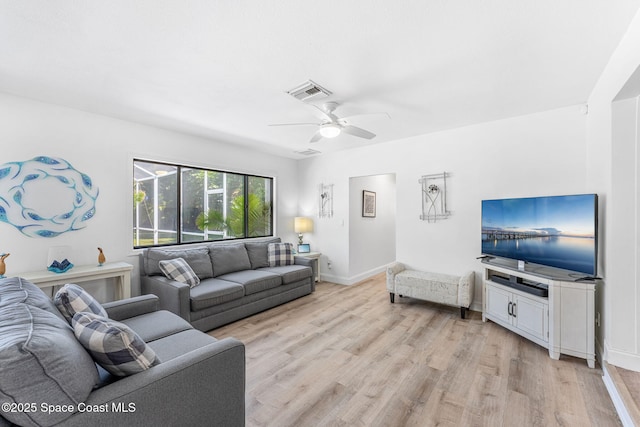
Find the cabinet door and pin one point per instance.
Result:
(498, 303)
(531, 317)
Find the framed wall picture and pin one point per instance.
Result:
(368, 204)
(304, 248)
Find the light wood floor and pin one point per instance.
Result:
(627, 384)
(346, 356)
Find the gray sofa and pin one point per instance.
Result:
(236, 281)
(48, 378)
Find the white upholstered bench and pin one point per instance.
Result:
(435, 287)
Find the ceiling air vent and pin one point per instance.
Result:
(309, 90)
(309, 152)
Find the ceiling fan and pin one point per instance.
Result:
(332, 125)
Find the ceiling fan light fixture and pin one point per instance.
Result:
(329, 130)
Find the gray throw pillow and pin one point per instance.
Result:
(71, 299)
(280, 254)
(229, 258)
(178, 269)
(113, 345)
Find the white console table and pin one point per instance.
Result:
(85, 273)
(563, 322)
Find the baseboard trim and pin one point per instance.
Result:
(340, 280)
(622, 359)
(476, 306)
(618, 403)
(367, 274)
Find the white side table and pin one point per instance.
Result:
(315, 256)
(84, 273)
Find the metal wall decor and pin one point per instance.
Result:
(325, 204)
(46, 196)
(434, 197)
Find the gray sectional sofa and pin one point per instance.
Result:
(236, 281)
(48, 378)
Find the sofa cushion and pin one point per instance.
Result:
(178, 269)
(280, 254)
(213, 292)
(115, 346)
(227, 258)
(156, 325)
(197, 258)
(42, 363)
(290, 273)
(17, 289)
(71, 299)
(181, 343)
(254, 280)
(258, 252)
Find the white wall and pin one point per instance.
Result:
(612, 168)
(372, 241)
(539, 154)
(103, 148)
(624, 205)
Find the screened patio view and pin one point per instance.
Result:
(176, 204)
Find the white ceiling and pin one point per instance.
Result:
(220, 69)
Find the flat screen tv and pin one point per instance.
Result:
(556, 231)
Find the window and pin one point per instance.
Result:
(176, 204)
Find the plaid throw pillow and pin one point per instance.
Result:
(280, 254)
(178, 269)
(71, 299)
(113, 345)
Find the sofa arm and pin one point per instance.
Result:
(465, 289)
(392, 270)
(395, 268)
(299, 260)
(174, 296)
(131, 307)
(199, 388)
(308, 262)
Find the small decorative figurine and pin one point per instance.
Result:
(60, 267)
(101, 258)
(3, 266)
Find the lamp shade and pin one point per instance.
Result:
(302, 224)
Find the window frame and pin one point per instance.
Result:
(180, 241)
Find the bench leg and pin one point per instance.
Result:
(463, 312)
(392, 297)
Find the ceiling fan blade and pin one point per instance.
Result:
(295, 124)
(316, 137)
(356, 131)
(367, 114)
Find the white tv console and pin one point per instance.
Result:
(563, 322)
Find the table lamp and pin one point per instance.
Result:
(301, 225)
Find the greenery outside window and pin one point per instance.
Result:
(176, 204)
